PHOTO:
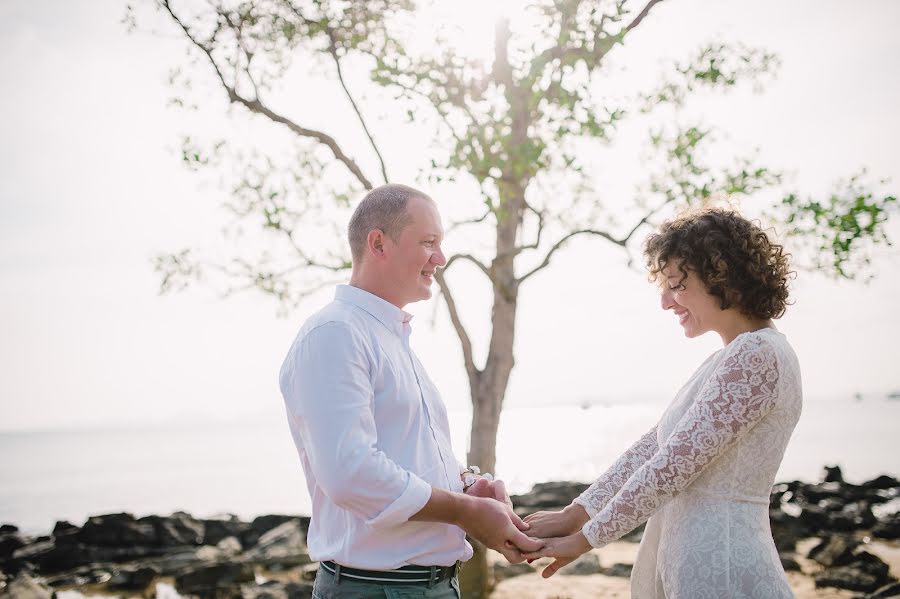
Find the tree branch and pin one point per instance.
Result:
(259, 108)
(637, 20)
(559, 244)
(472, 221)
(464, 340)
(337, 63)
(472, 259)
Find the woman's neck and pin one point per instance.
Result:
(736, 323)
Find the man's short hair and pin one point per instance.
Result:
(383, 208)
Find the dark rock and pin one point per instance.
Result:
(24, 586)
(176, 561)
(619, 570)
(786, 530)
(216, 530)
(117, 530)
(789, 563)
(213, 579)
(549, 496)
(866, 573)
(847, 578)
(9, 543)
(176, 530)
(832, 504)
(68, 581)
(502, 571)
(585, 565)
(833, 474)
(7, 528)
(882, 482)
(277, 590)
(80, 577)
(133, 579)
(812, 517)
(889, 528)
(284, 545)
(62, 527)
(263, 524)
(888, 590)
(33, 552)
(835, 550)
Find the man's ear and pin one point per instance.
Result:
(375, 243)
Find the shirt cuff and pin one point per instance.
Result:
(587, 506)
(590, 537)
(410, 502)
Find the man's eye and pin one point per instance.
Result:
(429, 243)
(679, 287)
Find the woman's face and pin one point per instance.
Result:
(698, 312)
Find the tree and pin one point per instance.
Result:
(518, 128)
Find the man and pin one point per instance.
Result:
(388, 502)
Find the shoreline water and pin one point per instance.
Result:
(251, 468)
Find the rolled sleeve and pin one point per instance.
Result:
(413, 499)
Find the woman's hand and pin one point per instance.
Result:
(564, 549)
(556, 524)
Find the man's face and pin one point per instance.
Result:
(414, 257)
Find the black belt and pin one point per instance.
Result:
(415, 575)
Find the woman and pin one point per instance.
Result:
(705, 471)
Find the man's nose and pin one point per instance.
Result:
(438, 257)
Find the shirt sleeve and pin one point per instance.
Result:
(595, 497)
(740, 393)
(328, 394)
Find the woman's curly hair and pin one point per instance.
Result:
(733, 257)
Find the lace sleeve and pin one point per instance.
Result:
(605, 488)
(741, 391)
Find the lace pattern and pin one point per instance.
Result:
(595, 497)
(742, 391)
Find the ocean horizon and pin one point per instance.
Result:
(250, 468)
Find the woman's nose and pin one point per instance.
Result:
(665, 300)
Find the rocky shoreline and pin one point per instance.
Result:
(823, 530)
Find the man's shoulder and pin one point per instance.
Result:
(338, 317)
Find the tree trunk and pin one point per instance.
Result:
(488, 390)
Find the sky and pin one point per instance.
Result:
(91, 189)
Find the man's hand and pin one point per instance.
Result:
(490, 521)
(556, 524)
(564, 549)
(496, 489)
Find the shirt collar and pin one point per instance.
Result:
(387, 313)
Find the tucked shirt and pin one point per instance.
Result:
(372, 435)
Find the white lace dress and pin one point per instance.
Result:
(704, 474)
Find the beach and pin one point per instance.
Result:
(835, 539)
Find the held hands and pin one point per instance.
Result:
(564, 549)
(561, 535)
(496, 489)
(545, 525)
(492, 522)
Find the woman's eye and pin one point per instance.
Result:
(679, 287)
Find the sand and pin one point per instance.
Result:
(598, 586)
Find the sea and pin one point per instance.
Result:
(250, 468)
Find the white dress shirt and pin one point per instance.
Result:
(372, 435)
